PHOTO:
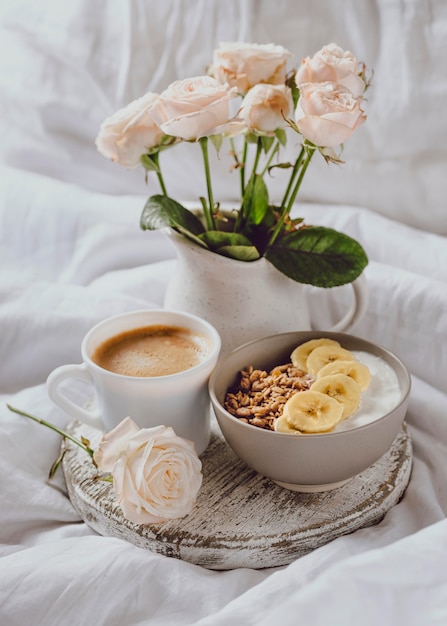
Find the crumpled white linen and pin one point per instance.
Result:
(88, 260)
(72, 253)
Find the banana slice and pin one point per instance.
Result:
(300, 354)
(323, 355)
(341, 388)
(355, 370)
(281, 425)
(312, 412)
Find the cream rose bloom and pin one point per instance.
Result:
(327, 113)
(332, 64)
(130, 132)
(244, 65)
(194, 108)
(156, 474)
(265, 107)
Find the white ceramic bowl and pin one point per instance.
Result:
(311, 462)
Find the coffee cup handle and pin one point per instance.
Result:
(91, 417)
(358, 306)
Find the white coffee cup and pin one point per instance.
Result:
(179, 400)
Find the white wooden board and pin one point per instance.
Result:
(241, 518)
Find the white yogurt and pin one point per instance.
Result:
(382, 395)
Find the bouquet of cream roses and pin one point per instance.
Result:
(319, 105)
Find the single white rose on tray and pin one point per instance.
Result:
(156, 474)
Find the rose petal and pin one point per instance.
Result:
(192, 108)
(323, 132)
(157, 477)
(334, 64)
(265, 107)
(130, 132)
(243, 65)
(113, 444)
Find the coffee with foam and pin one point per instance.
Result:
(157, 350)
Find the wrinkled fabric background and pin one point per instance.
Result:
(72, 253)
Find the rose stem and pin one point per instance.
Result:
(293, 175)
(155, 159)
(55, 428)
(209, 217)
(286, 209)
(273, 151)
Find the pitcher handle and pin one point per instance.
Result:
(358, 307)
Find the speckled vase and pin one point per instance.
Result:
(242, 300)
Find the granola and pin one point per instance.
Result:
(259, 396)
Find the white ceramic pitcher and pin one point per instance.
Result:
(245, 300)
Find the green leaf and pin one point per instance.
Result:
(234, 245)
(217, 238)
(318, 256)
(191, 237)
(241, 253)
(281, 136)
(251, 137)
(267, 142)
(149, 163)
(291, 82)
(256, 200)
(161, 211)
(217, 141)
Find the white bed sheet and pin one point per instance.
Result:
(71, 253)
(80, 266)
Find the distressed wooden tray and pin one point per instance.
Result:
(241, 518)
